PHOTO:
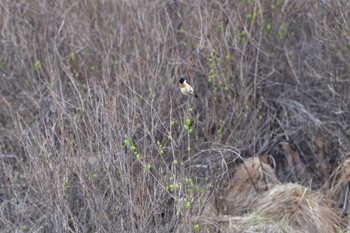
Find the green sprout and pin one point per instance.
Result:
(219, 132)
(161, 151)
(318, 165)
(84, 87)
(25, 228)
(187, 205)
(37, 64)
(339, 53)
(282, 28)
(72, 56)
(126, 142)
(250, 16)
(170, 187)
(138, 155)
(188, 180)
(243, 36)
(211, 71)
(212, 53)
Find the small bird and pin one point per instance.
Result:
(186, 88)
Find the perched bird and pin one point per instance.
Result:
(186, 88)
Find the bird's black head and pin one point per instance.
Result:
(182, 80)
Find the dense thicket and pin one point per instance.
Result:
(95, 135)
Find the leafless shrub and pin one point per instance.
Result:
(89, 105)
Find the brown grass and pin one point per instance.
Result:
(298, 207)
(336, 188)
(283, 208)
(251, 179)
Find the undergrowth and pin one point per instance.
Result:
(96, 136)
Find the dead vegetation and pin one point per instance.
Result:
(251, 179)
(96, 137)
(298, 207)
(280, 208)
(337, 188)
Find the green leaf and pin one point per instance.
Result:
(170, 187)
(126, 142)
(188, 205)
(72, 56)
(37, 64)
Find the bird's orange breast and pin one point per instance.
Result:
(182, 85)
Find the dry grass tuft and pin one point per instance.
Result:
(251, 178)
(337, 187)
(251, 223)
(298, 207)
(284, 208)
